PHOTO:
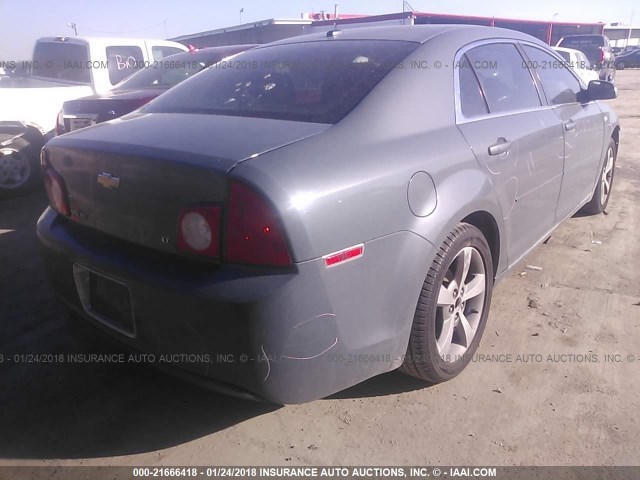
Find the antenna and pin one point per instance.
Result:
(407, 6)
(74, 26)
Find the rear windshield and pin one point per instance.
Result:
(61, 61)
(173, 70)
(582, 41)
(316, 82)
(157, 76)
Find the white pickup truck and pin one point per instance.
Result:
(62, 68)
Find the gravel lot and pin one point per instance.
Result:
(571, 405)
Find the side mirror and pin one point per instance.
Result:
(601, 90)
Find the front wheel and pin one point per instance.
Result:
(453, 307)
(602, 193)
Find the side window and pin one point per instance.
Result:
(505, 80)
(123, 61)
(160, 52)
(558, 83)
(472, 101)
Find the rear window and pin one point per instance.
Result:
(61, 61)
(162, 76)
(316, 82)
(582, 41)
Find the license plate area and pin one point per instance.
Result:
(105, 299)
(78, 123)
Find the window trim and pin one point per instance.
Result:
(460, 117)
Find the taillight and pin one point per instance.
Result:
(199, 230)
(601, 55)
(60, 124)
(252, 232)
(56, 189)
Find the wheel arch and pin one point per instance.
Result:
(486, 223)
(616, 136)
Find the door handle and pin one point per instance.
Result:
(501, 147)
(569, 125)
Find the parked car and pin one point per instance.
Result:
(312, 215)
(62, 68)
(578, 61)
(140, 88)
(629, 59)
(597, 50)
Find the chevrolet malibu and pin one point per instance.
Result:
(325, 208)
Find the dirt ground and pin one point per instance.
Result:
(555, 381)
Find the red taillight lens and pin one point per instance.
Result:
(60, 124)
(57, 192)
(253, 234)
(199, 230)
(601, 54)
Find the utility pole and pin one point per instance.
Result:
(241, 12)
(633, 12)
(74, 26)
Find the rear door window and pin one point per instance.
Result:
(123, 61)
(472, 102)
(507, 83)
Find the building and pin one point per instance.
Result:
(266, 31)
(621, 36)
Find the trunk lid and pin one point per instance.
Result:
(131, 177)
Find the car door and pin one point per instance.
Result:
(516, 139)
(583, 128)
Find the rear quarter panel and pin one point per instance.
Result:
(349, 185)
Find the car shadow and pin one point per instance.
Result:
(58, 409)
(391, 383)
(52, 409)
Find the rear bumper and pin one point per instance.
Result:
(287, 337)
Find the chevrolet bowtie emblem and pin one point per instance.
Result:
(108, 181)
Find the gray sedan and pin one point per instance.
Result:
(326, 208)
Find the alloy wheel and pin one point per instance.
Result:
(461, 300)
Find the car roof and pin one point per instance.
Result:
(412, 33)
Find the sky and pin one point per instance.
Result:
(23, 21)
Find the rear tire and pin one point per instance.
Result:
(453, 307)
(602, 193)
(19, 168)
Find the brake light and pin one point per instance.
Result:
(199, 230)
(56, 189)
(601, 54)
(252, 232)
(60, 124)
